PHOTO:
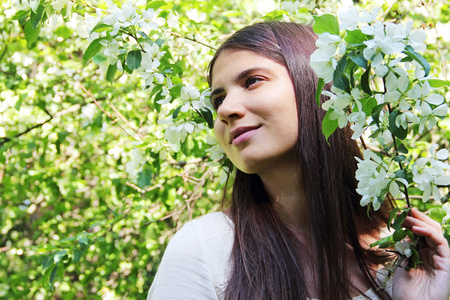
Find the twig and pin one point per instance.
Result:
(167, 217)
(405, 189)
(90, 6)
(99, 106)
(4, 249)
(391, 272)
(135, 38)
(124, 119)
(7, 139)
(191, 39)
(143, 191)
(413, 197)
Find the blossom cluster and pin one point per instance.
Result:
(124, 34)
(381, 87)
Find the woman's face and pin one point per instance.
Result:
(256, 122)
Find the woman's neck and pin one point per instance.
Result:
(286, 187)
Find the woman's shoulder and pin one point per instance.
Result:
(195, 264)
(207, 226)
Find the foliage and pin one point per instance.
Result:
(105, 139)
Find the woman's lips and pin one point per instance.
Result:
(242, 134)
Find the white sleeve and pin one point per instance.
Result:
(184, 272)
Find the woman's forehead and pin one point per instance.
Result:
(230, 62)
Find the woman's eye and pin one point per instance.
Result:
(252, 80)
(217, 101)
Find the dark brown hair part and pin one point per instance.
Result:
(266, 259)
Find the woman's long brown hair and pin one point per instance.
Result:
(266, 257)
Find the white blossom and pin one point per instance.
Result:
(111, 50)
(122, 17)
(165, 92)
(415, 38)
(135, 163)
(404, 248)
(88, 111)
(216, 152)
(265, 6)
(387, 39)
(58, 5)
(446, 208)
(372, 178)
(172, 20)
(195, 16)
(290, 6)
(148, 22)
(430, 172)
(358, 119)
(348, 20)
(189, 92)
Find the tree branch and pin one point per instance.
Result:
(101, 108)
(191, 39)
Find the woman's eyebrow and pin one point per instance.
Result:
(241, 76)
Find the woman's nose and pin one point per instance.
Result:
(231, 108)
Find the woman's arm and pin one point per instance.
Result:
(431, 279)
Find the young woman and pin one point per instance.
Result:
(294, 228)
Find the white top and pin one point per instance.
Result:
(196, 264)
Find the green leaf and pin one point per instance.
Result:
(340, 79)
(100, 27)
(419, 58)
(156, 4)
(20, 14)
(176, 112)
(83, 240)
(397, 225)
(99, 58)
(61, 138)
(58, 256)
(111, 72)
(392, 215)
(143, 34)
(77, 255)
(93, 48)
(437, 83)
(19, 103)
(326, 23)
(399, 235)
(144, 178)
(156, 89)
(63, 32)
(397, 131)
(158, 97)
(365, 81)
(53, 277)
(414, 260)
(358, 58)
(207, 115)
(134, 59)
(385, 242)
(376, 111)
(175, 91)
(329, 126)
(47, 262)
(399, 158)
(35, 18)
(401, 148)
(170, 68)
(31, 33)
(320, 86)
(368, 103)
(355, 37)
